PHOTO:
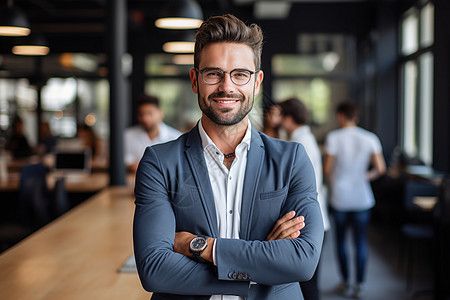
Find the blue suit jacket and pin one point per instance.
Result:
(173, 193)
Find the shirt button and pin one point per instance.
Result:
(231, 211)
(230, 177)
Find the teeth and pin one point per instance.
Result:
(229, 101)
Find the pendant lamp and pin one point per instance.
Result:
(34, 44)
(13, 21)
(180, 14)
(179, 42)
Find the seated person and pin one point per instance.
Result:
(17, 143)
(150, 131)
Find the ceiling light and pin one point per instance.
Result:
(179, 47)
(180, 14)
(183, 59)
(13, 21)
(34, 44)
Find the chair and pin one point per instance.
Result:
(33, 206)
(59, 201)
(418, 226)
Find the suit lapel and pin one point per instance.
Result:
(255, 158)
(196, 159)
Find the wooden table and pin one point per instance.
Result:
(79, 183)
(78, 255)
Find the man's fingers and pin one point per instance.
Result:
(287, 229)
(280, 222)
(293, 229)
(285, 218)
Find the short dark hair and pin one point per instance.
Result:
(295, 108)
(228, 28)
(348, 109)
(146, 99)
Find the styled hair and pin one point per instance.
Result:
(348, 109)
(146, 99)
(228, 28)
(296, 109)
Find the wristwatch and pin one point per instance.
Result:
(197, 246)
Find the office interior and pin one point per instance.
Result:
(390, 57)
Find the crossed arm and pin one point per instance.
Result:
(287, 227)
(289, 256)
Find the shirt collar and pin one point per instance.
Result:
(206, 140)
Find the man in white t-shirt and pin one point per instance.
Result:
(150, 131)
(350, 151)
(294, 121)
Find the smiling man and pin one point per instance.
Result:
(219, 211)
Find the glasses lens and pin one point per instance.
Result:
(212, 76)
(240, 77)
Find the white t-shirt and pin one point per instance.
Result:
(304, 136)
(136, 140)
(352, 148)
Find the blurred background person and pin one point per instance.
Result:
(150, 131)
(90, 140)
(17, 143)
(350, 151)
(272, 119)
(294, 120)
(47, 141)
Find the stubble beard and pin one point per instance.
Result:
(224, 116)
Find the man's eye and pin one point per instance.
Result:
(241, 74)
(212, 74)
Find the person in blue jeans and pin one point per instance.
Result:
(350, 151)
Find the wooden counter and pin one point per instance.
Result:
(78, 255)
(75, 183)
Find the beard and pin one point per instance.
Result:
(225, 116)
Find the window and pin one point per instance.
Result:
(318, 75)
(417, 82)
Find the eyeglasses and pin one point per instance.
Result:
(215, 75)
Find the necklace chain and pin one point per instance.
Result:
(230, 155)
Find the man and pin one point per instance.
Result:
(350, 151)
(215, 209)
(294, 121)
(150, 131)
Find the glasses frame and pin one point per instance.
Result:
(223, 75)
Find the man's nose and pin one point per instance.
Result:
(226, 84)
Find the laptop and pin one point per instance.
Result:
(73, 163)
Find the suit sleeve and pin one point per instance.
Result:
(159, 268)
(280, 261)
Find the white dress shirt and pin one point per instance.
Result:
(136, 140)
(227, 186)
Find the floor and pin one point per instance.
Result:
(386, 278)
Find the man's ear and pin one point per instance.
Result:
(194, 81)
(259, 79)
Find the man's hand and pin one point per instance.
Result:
(182, 241)
(287, 227)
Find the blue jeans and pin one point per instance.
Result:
(358, 221)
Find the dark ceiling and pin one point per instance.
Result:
(81, 25)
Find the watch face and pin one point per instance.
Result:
(198, 243)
